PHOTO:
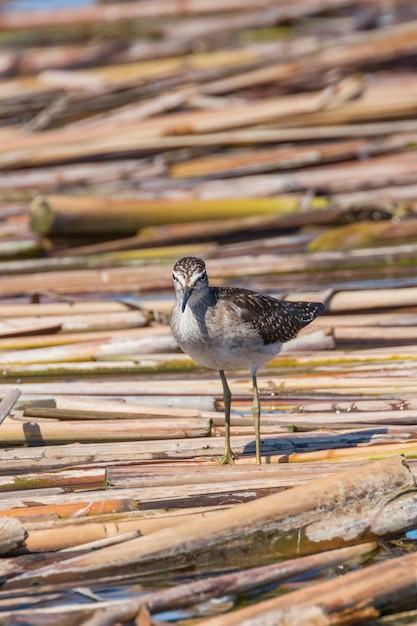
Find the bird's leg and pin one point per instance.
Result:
(228, 456)
(256, 412)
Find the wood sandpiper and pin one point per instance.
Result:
(231, 328)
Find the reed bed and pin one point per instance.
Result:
(277, 142)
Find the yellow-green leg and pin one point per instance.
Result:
(256, 412)
(228, 456)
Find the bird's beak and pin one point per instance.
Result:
(187, 294)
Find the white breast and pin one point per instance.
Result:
(216, 348)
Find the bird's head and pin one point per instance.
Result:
(190, 277)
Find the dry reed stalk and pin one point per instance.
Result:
(248, 114)
(203, 495)
(364, 453)
(392, 357)
(214, 479)
(85, 281)
(69, 144)
(156, 498)
(108, 260)
(378, 319)
(17, 342)
(155, 236)
(333, 178)
(203, 391)
(252, 578)
(369, 108)
(257, 161)
(15, 332)
(187, 594)
(62, 150)
(117, 411)
(167, 245)
(37, 59)
(331, 419)
(162, 126)
(101, 543)
(44, 433)
(121, 388)
(70, 214)
(74, 509)
(44, 309)
(340, 432)
(363, 234)
(152, 277)
(85, 479)
(317, 406)
(157, 306)
(246, 430)
(7, 403)
(103, 368)
(369, 442)
(202, 449)
(120, 407)
(21, 247)
(137, 111)
(83, 351)
(381, 336)
(77, 322)
(77, 505)
(355, 382)
(261, 135)
(373, 299)
(397, 40)
(184, 497)
(242, 265)
(361, 595)
(235, 137)
(70, 533)
(89, 175)
(403, 195)
(279, 515)
(46, 458)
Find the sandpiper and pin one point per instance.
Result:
(226, 328)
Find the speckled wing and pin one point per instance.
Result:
(274, 320)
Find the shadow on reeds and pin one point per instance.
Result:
(33, 435)
(287, 446)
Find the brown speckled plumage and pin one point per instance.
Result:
(274, 320)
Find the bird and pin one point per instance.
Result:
(227, 328)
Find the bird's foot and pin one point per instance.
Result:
(228, 457)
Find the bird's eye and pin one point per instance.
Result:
(204, 276)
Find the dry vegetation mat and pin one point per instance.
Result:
(278, 142)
